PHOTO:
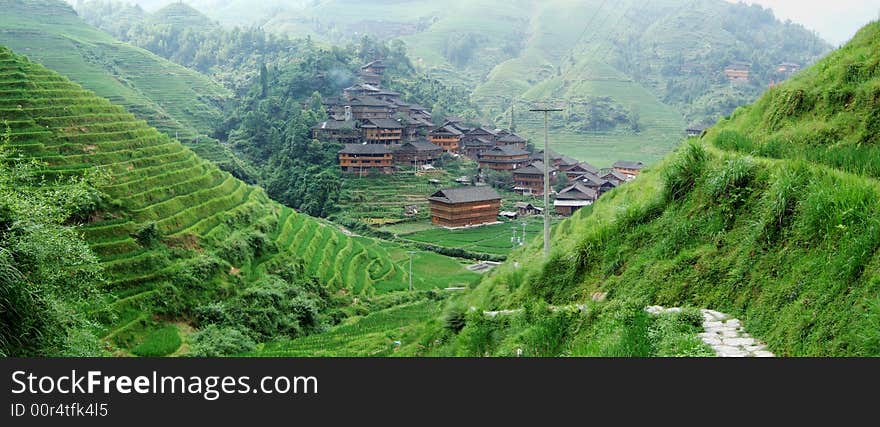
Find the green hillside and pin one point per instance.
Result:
(179, 102)
(180, 14)
(772, 217)
(173, 231)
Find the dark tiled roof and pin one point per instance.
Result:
(336, 125)
(505, 150)
(511, 138)
(447, 129)
(369, 101)
(535, 168)
(465, 195)
(591, 179)
(616, 175)
(382, 124)
(577, 191)
(362, 87)
(375, 149)
(418, 146)
(629, 165)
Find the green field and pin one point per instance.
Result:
(492, 239)
(197, 209)
(181, 103)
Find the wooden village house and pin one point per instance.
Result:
(382, 131)
(530, 179)
(631, 169)
(447, 137)
(465, 206)
(342, 131)
(503, 158)
(572, 198)
(417, 153)
(363, 159)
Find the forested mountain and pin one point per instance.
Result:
(630, 75)
(771, 216)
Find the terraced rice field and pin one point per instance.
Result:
(378, 334)
(155, 179)
(177, 101)
(381, 199)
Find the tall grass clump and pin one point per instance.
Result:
(682, 174)
(780, 201)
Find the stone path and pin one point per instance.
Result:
(724, 334)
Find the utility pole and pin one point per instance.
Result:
(523, 241)
(546, 112)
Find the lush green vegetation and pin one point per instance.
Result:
(161, 342)
(173, 234)
(787, 242)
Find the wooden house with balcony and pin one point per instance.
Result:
(573, 172)
(530, 179)
(630, 169)
(375, 67)
(465, 206)
(362, 159)
(593, 181)
(447, 137)
(342, 131)
(572, 198)
(417, 153)
(368, 107)
(382, 131)
(503, 158)
(509, 138)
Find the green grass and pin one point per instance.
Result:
(492, 239)
(160, 342)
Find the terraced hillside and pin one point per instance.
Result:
(167, 209)
(772, 216)
(179, 102)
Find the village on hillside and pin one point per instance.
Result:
(382, 134)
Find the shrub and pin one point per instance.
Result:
(455, 317)
(148, 235)
(217, 341)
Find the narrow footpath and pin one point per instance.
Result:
(724, 334)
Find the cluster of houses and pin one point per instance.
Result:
(477, 205)
(740, 72)
(381, 133)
